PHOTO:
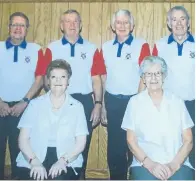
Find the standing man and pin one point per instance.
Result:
(86, 66)
(178, 50)
(122, 57)
(18, 62)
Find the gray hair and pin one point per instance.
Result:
(177, 8)
(122, 12)
(149, 61)
(70, 11)
(59, 64)
(21, 15)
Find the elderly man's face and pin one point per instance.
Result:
(18, 28)
(122, 26)
(58, 81)
(179, 23)
(70, 25)
(153, 78)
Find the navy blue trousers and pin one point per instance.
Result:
(117, 148)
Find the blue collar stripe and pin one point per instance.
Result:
(9, 45)
(120, 45)
(79, 41)
(180, 46)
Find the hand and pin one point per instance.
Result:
(57, 168)
(104, 115)
(4, 109)
(160, 171)
(38, 171)
(96, 114)
(173, 168)
(18, 108)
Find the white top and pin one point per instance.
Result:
(159, 133)
(181, 69)
(16, 78)
(72, 123)
(81, 64)
(122, 72)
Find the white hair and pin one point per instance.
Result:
(151, 60)
(120, 13)
(177, 8)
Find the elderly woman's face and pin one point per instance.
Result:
(122, 26)
(153, 78)
(58, 80)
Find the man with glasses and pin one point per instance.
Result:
(20, 80)
(86, 66)
(178, 50)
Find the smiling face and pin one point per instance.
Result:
(122, 26)
(18, 29)
(58, 81)
(178, 23)
(70, 25)
(153, 78)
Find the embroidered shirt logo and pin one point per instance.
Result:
(128, 56)
(27, 59)
(83, 55)
(192, 54)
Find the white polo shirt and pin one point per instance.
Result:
(16, 78)
(159, 133)
(181, 65)
(80, 56)
(71, 123)
(122, 64)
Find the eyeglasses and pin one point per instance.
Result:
(150, 74)
(18, 25)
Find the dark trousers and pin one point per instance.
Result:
(141, 173)
(50, 159)
(87, 102)
(10, 132)
(190, 105)
(117, 148)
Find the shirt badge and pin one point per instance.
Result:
(83, 55)
(128, 56)
(27, 59)
(192, 54)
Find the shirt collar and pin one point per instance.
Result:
(128, 40)
(65, 41)
(171, 38)
(9, 44)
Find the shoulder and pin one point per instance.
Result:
(74, 103)
(172, 98)
(55, 44)
(139, 41)
(2, 45)
(163, 40)
(106, 45)
(33, 46)
(88, 44)
(38, 101)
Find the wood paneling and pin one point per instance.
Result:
(150, 24)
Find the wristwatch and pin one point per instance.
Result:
(25, 99)
(98, 102)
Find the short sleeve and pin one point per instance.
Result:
(187, 122)
(81, 127)
(128, 119)
(28, 118)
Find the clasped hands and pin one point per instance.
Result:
(39, 172)
(16, 110)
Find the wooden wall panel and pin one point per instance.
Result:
(144, 24)
(150, 24)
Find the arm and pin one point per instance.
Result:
(37, 169)
(145, 51)
(158, 170)
(183, 152)
(103, 112)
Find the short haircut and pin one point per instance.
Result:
(177, 8)
(122, 12)
(21, 15)
(151, 60)
(59, 64)
(70, 11)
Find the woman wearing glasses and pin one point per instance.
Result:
(160, 138)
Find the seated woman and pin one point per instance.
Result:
(158, 128)
(53, 131)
